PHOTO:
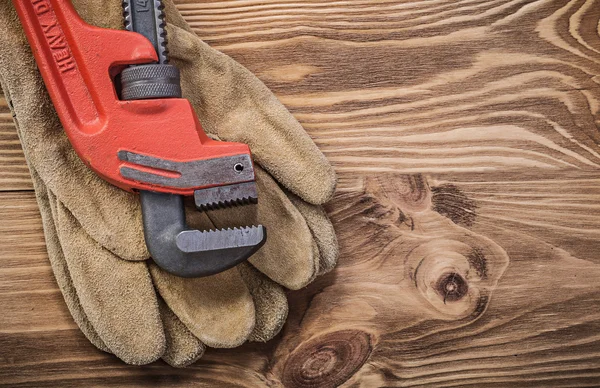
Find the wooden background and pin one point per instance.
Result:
(465, 135)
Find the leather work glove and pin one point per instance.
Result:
(122, 302)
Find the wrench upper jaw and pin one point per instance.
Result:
(226, 196)
(192, 253)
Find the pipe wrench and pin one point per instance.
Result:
(120, 104)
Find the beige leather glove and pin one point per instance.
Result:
(122, 302)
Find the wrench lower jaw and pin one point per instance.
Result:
(202, 263)
(199, 264)
(192, 253)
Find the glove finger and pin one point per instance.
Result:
(290, 256)
(322, 231)
(236, 106)
(270, 303)
(59, 265)
(217, 309)
(47, 148)
(117, 296)
(183, 348)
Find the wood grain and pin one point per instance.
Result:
(430, 86)
(465, 135)
(527, 315)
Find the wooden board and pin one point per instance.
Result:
(465, 135)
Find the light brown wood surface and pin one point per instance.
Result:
(465, 135)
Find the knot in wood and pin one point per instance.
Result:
(452, 287)
(328, 360)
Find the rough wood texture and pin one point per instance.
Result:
(466, 138)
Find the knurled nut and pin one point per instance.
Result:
(139, 72)
(150, 81)
(147, 91)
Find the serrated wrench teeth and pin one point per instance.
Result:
(226, 196)
(148, 18)
(220, 239)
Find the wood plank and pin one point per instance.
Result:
(425, 86)
(433, 288)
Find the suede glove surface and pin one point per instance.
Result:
(124, 303)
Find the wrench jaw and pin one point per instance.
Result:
(192, 253)
(221, 197)
(174, 246)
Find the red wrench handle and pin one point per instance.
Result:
(76, 61)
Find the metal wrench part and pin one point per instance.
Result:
(173, 246)
(147, 17)
(193, 253)
(226, 196)
(210, 172)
